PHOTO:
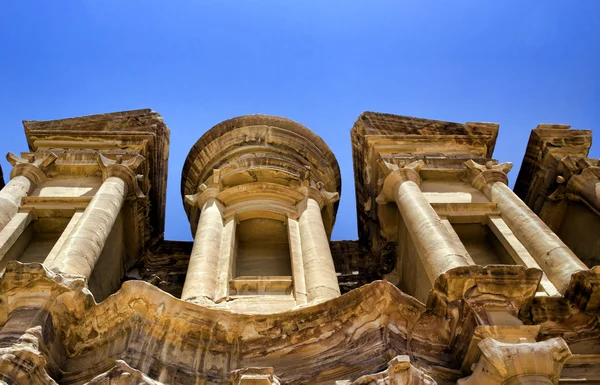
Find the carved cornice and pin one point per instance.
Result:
(33, 167)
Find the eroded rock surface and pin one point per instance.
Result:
(454, 278)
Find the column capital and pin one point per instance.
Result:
(482, 175)
(521, 363)
(33, 167)
(125, 170)
(319, 194)
(394, 175)
(204, 192)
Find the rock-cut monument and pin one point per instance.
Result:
(454, 279)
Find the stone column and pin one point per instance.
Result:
(434, 243)
(83, 246)
(319, 271)
(203, 270)
(553, 256)
(24, 177)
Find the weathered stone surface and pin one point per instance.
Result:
(125, 134)
(398, 372)
(548, 143)
(559, 183)
(476, 288)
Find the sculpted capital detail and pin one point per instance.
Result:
(124, 169)
(33, 167)
(204, 192)
(316, 189)
(395, 174)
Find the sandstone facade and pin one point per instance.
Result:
(455, 278)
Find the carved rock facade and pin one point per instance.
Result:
(455, 278)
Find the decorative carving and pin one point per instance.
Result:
(322, 197)
(395, 174)
(125, 170)
(521, 363)
(33, 167)
(204, 192)
(483, 317)
(482, 175)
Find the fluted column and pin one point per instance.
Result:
(83, 246)
(24, 177)
(554, 257)
(434, 243)
(319, 271)
(203, 269)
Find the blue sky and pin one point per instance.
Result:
(321, 63)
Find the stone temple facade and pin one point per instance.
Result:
(455, 278)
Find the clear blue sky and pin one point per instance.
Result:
(321, 63)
